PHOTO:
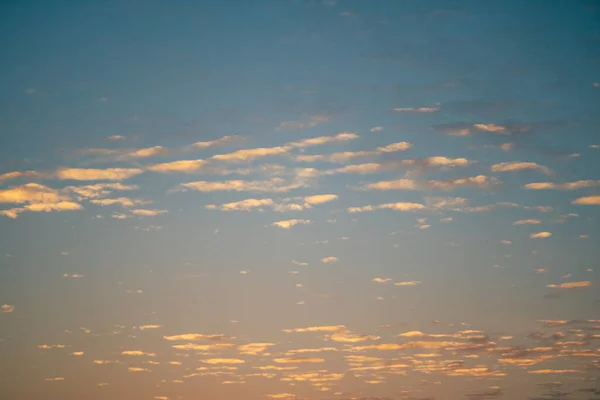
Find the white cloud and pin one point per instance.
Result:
(329, 260)
(519, 166)
(320, 198)
(540, 235)
(290, 223)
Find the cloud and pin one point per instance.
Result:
(588, 200)
(138, 369)
(478, 182)
(7, 308)
(115, 138)
(329, 260)
(20, 174)
(290, 223)
(137, 353)
(339, 157)
(291, 360)
(320, 198)
(417, 109)
(272, 185)
(144, 327)
(244, 205)
(527, 222)
(31, 193)
(561, 186)
(185, 166)
(369, 168)
(197, 336)
(51, 346)
(313, 121)
(148, 213)
(519, 166)
(98, 189)
(122, 201)
(214, 361)
(303, 264)
(382, 280)
(212, 143)
(92, 174)
(40, 198)
(540, 235)
(376, 129)
(408, 283)
(254, 348)
(400, 206)
(324, 328)
(347, 337)
(204, 347)
(395, 147)
(553, 371)
(464, 129)
(247, 155)
(317, 141)
(400, 184)
(570, 285)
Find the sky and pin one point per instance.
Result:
(300, 199)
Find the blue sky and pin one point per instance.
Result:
(299, 199)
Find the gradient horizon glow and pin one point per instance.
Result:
(299, 199)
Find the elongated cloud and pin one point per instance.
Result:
(298, 360)
(317, 141)
(561, 186)
(329, 260)
(93, 174)
(382, 280)
(588, 201)
(197, 336)
(290, 223)
(478, 182)
(20, 174)
(185, 166)
(400, 206)
(570, 285)
(519, 166)
(395, 147)
(540, 235)
(148, 213)
(243, 205)
(527, 222)
(407, 283)
(320, 198)
(137, 353)
(417, 109)
(214, 361)
(324, 328)
(254, 348)
(248, 155)
(272, 185)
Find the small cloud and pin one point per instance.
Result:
(58, 378)
(596, 84)
(292, 360)
(541, 270)
(30, 91)
(408, 283)
(303, 264)
(519, 166)
(197, 336)
(115, 138)
(144, 327)
(92, 174)
(320, 198)
(527, 222)
(7, 308)
(570, 285)
(77, 353)
(540, 235)
(561, 186)
(103, 99)
(395, 147)
(329, 260)
(290, 223)
(137, 353)
(588, 200)
(417, 109)
(148, 213)
(214, 361)
(376, 129)
(382, 280)
(138, 369)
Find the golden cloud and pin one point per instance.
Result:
(214, 361)
(91, 174)
(588, 201)
(320, 198)
(290, 223)
(519, 166)
(325, 328)
(197, 336)
(540, 235)
(570, 285)
(561, 186)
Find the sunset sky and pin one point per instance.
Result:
(299, 199)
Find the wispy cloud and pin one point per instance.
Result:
(561, 186)
(290, 223)
(512, 166)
